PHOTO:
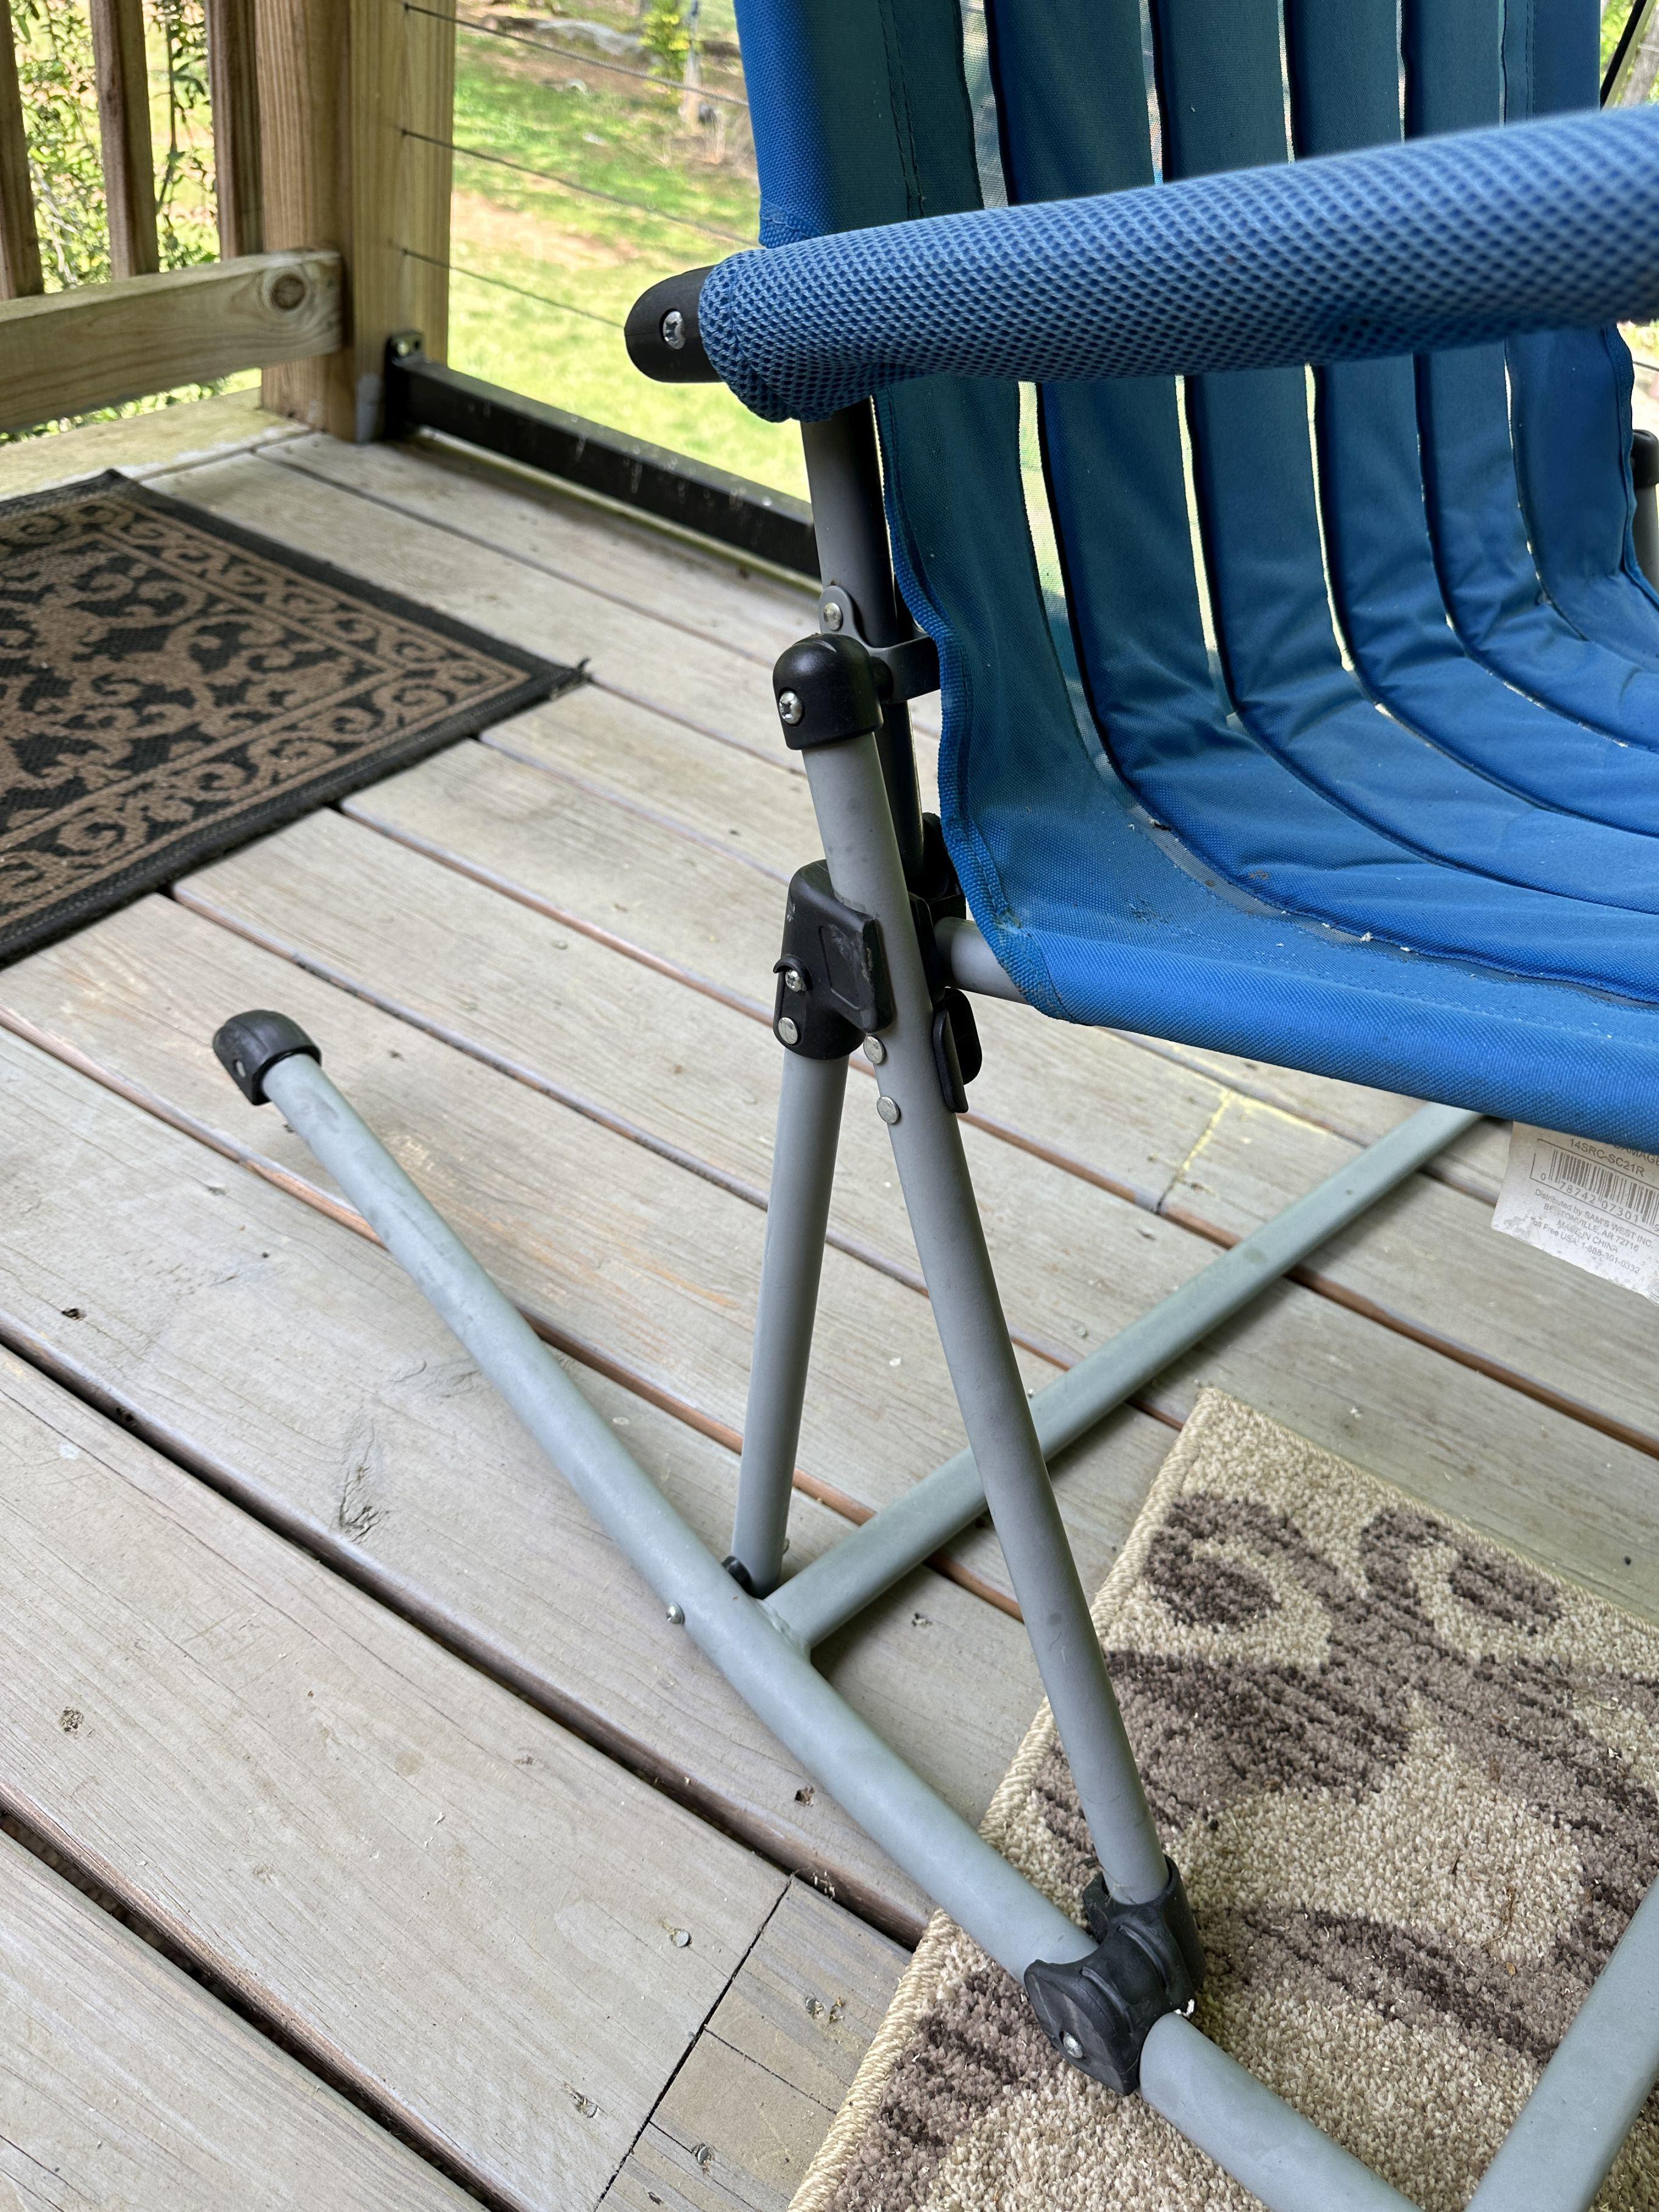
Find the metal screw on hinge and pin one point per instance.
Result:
(788, 1031)
(793, 980)
(403, 346)
(874, 1051)
(673, 330)
(888, 1109)
(831, 616)
(789, 707)
(677, 1616)
(1070, 2046)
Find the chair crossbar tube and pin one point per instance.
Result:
(1288, 2163)
(972, 965)
(1560, 2150)
(842, 1582)
(1440, 242)
(939, 1849)
(798, 1214)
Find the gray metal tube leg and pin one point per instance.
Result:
(797, 1213)
(1273, 2150)
(851, 804)
(841, 1582)
(1571, 2128)
(1015, 1923)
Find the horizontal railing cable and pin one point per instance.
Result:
(578, 54)
(569, 185)
(502, 283)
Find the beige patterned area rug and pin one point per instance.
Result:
(171, 685)
(1413, 1785)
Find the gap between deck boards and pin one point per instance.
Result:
(1309, 1276)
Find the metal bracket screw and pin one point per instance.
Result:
(788, 1031)
(888, 1109)
(673, 330)
(793, 980)
(677, 1616)
(874, 1051)
(1070, 2046)
(830, 617)
(789, 707)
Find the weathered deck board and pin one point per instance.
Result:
(454, 1904)
(123, 2083)
(1411, 1414)
(714, 594)
(704, 593)
(675, 776)
(743, 2117)
(544, 999)
(626, 876)
(637, 653)
(291, 1362)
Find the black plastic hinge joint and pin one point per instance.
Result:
(250, 1045)
(827, 690)
(1147, 1961)
(832, 987)
(936, 896)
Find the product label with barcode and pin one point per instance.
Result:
(1595, 1205)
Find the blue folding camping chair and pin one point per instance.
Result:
(1401, 826)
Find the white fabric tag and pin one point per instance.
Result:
(1596, 1206)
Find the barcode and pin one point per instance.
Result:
(1604, 1187)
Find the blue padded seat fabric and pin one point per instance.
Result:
(1253, 473)
(1345, 90)
(1570, 391)
(1098, 872)
(1456, 59)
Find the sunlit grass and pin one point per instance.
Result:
(590, 254)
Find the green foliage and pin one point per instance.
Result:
(186, 219)
(53, 39)
(665, 36)
(60, 108)
(53, 43)
(590, 255)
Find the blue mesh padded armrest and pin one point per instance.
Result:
(1398, 249)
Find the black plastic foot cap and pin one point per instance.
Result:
(250, 1045)
(1100, 2010)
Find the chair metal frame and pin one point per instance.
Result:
(1117, 2000)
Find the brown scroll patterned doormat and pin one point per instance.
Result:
(1413, 1785)
(172, 685)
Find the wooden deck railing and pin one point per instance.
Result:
(333, 213)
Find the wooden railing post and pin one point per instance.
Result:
(233, 84)
(118, 48)
(20, 241)
(352, 94)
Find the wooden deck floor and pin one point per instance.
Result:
(312, 1670)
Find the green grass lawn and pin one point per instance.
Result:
(590, 255)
